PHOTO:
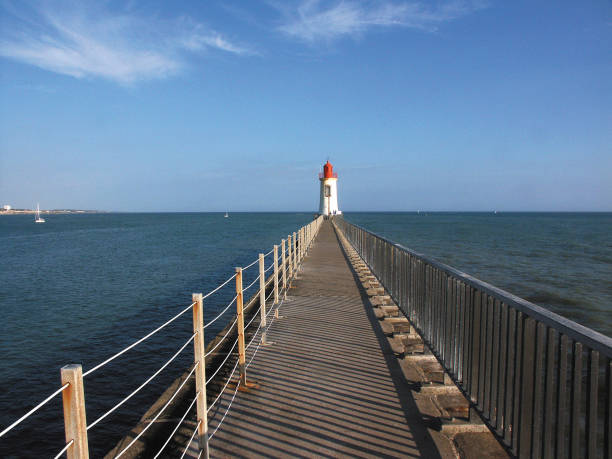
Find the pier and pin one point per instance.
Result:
(329, 385)
(348, 345)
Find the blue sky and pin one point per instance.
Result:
(208, 106)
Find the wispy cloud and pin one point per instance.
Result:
(95, 42)
(315, 20)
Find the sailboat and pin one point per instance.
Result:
(226, 215)
(38, 219)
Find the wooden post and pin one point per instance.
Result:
(294, 257)
(200, 371)
(290, 261)
(284, 264)
(240, 315)
(300, 245)
(275, 274)
(75, 423)
(262, 297)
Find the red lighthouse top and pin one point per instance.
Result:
(328, 171)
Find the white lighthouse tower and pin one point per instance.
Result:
(329, 191)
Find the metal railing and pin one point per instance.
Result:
(541, 382)
(72, 389)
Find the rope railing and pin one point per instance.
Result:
(64, 449)
(222, 339)
(136, 343)
(139, 388)
(191, 439)
(177, 426)
(226, 411)
(219, 287)
(158, 414)
(284, 271)
(222, 390)
(252, 318)
(222, 363)
(250, 285)
(33, 410)
(251, 264)
(221, 313)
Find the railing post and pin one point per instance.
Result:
(276, 274)
(290, 262)
(240, 320)
(284, 265)
(262, 297)
(294, 257)
(200, 371)
(75, 423)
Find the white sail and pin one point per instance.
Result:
(38, 217)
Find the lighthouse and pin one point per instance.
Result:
(329, 191)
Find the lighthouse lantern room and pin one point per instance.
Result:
(329, 191)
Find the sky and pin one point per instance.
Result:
(444, 105)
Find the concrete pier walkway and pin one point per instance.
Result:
(330, 385)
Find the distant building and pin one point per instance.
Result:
(329, 191)
(7, 207)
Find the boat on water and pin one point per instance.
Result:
(38, 218)
(226, 215)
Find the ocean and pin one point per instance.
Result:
(79, 288)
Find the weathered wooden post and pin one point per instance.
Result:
(262, 297)
(284, 264)
(240, 320)
(301, 244)
(75, 423)
(290, 262)
(200, 371)
(276, 274)
(294, 257)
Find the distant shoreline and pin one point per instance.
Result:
(50, 212)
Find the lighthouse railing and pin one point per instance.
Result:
(541, 382)
(333, 175)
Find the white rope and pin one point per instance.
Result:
(254, 353)
(33, 410)
(220, 286)
(226, 411)
(221, 340)
(252, 318)
(253, 337)
(269, 252)
(191, 439)
(221, 313)
(110, 359)
(158, 414)
(248, 266)
(269, 268)
(177, 426)
(64, 449)
(250, 285)
(269, 295)
(142, 385)
(222, 390)
(222, 363)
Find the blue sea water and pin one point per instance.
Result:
(562, 261)
(79, 288)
